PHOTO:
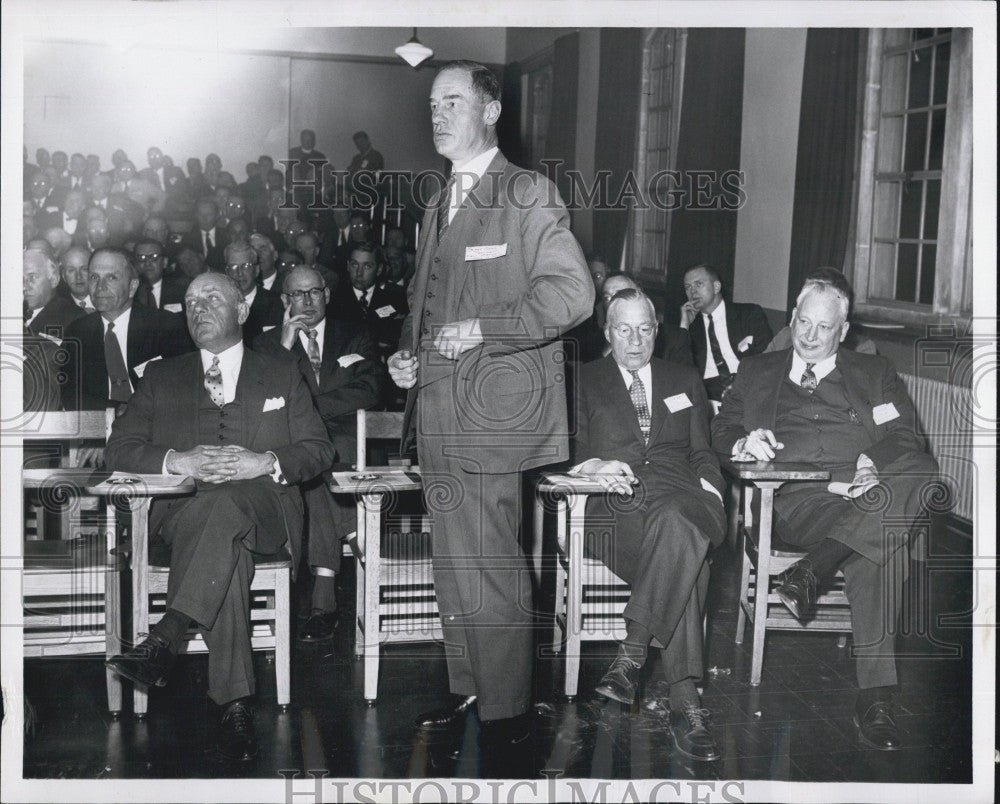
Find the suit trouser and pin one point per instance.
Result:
(330, 520)
(658, 544)
(481, 578)
(878, 528)
(212, 537)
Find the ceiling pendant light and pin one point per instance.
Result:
(413, 53)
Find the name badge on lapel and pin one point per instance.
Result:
(485, 252)
(884, 413)
(677, 402)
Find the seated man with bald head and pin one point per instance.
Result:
(243, 425)
(642, 429)
(340, 362)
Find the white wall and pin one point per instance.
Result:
(772, 95)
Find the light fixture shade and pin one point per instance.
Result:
(413, 52)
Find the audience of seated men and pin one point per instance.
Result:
(642, 429)
(849, 413)
(243, 425)
(341, 364)
(206, 237)
(265, 311)
(114, 344)
(718, 334)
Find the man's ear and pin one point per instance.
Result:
(843, 330)
(242, 311)
(491, 112)
(716, 288)
(133, 286)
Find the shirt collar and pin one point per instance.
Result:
(645, 374)
(820, 369)
(719, 313)
(251, 296)
(228, 358)
(121, 323)
(478, 164)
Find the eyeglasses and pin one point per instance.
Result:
(300, 295)
(625, 332)
(240, 266)
(147, 257)
(355, 264)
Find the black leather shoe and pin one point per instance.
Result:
(798, 589)
(447, 717)
(691, 734)
(320, 625)
(147, 663)
(237, 740)
(877, 727)
(620, 681)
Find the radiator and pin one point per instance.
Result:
(945, 419)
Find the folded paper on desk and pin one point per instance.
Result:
(849, 491)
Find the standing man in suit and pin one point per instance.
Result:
(244, 427)
(721, 333)
(156, 290)
(499, 278)
(642, 428)
(304, 169)
(265, 308)
(119, 339)
(206, 238)
(368, 161)
(341, 365)
(850, 413)
(45, 311)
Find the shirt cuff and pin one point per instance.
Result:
(864, 462)
(163, 469)
(709, 487)
(575, 470)
(276, 474)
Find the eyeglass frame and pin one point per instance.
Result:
(315, 294)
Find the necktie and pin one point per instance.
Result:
(208, 242)
(213, 382)
(808, 380)
(314, 356)
(121, 390)
(364, 300)
(444, 205)
(638, 393)
(713, 342)
(27, 311)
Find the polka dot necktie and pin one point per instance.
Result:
(638, 393)
(213, 382)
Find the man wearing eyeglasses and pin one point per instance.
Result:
(155, 289)
(340, 362)
(642, 430)
(266, 310)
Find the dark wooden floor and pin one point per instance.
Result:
(796, 726)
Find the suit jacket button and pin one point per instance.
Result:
(437, 259)
(430, 294)
(434, 276)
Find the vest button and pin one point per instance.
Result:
(434, 276)
(437, 259)
(430, 294)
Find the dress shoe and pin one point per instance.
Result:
(620, 681)
(691, 734)
(798, 589)
(447, 717)
(147, 663)
(320, 625)
(237, 739)
(877, 727)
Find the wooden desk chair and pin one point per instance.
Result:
(70, 585)
(762, 562)
(589, 597)
(270, 592)
(395, 583)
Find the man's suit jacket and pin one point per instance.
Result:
(678, 455)
(55, 316)
(869, 380)
(151, 333)
(215, 258)
(266, 311)
(742, 321)
(386, 325)
(172, 292)
(342, 390)
(163, 415)
(508, 393)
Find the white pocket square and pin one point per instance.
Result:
(274, 403)
(349, 360)
(743, 345)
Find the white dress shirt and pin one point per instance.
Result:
(268, 281)
(820, 369)
(320, 336)
(230, 361)
(467, 175)
(251, 296)
(722, 333)
(646, 375)
(157, 288)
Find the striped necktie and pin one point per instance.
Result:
(637, 390)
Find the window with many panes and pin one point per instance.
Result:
(913, 260)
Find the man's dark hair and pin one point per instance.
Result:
(148, 241)
(484, 80)
(358, 214)
(708, 269)
(359, 134)
(832, 276)
(372, 248)
(126, 255)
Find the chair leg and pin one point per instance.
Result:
(559, 628)
(574, 594)
(373, 570)
(283, 637)
(112, 637)
(743, 600)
